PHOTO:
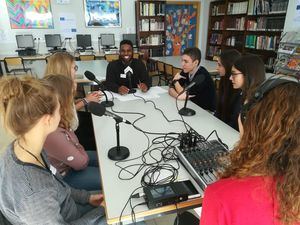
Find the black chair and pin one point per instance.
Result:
(186, 218)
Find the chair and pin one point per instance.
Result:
(168, 76)
(87, 57)
(15, 65)
(111, 57)
(175, 71)
(136, 55)
(160, 71)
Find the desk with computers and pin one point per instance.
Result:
(28, 45)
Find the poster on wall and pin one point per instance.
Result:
(99, 13)
(30, 14)
(181, 27)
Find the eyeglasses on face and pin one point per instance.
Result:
(235, 74)
(75, 67)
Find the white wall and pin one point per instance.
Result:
(7, 35)
(290, 23)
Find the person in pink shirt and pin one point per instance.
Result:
(261, 185)
(78, 167)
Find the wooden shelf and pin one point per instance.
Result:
(150, 13)
(241, 36)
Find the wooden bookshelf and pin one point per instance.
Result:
(250, 26)
(150, 26)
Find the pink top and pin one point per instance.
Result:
(64, 151)
(246, 201)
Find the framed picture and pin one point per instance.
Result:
(30, 14)
(102, 13)
(182, 24)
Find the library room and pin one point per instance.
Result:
(149, 112)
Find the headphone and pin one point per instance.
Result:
(262, 90)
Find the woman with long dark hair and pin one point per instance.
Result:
(229, 99)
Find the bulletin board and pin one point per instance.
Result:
(30, 14)
(182, 26)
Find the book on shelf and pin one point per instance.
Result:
(266, 24)
(215, 38)
(218, 10)
(265, 7)
(144, 24)
(152, 9)
(237, 8)
(236, 24)
(262, 42)
(218, 25)
(156, 25)
(153, 39)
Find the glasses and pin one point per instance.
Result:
(235, 74)
(75, 67)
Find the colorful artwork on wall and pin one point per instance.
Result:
(99, 13)
(30, 14)
(181, 27)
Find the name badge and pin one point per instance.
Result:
(122, 75)
(53, 169)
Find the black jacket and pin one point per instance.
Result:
(115, 76)
(205, 92)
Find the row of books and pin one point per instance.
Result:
(262, 42)
(237, 8)
(151, 25)
(218, 10)
(215, 39)
(235, 41)
(236, 24)
(266, 24)
(264, 7)
(218, 25)
(153, 39)
(213, 51)
(152, 9)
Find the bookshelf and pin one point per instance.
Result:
(150, 26)
(250, 26)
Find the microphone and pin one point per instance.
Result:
(89, 75)
(128, 71)
(197, 80)
(99, 110)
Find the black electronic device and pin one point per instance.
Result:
(25, 41)
(53, 41)
(107, 41)
(84, 41)
(201, 157)
(130, 37)
(26, 52)
(167, 194)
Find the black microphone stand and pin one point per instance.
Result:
(131, 90)
(106, 103)
(186, 111)
(118, 152)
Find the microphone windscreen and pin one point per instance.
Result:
(96, 108)
(89, 75)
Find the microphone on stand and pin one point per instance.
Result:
(89, 75)
(128, 71)
(118, 152)
(187, 111)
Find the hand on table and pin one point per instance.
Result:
(143, 87)
(123, 90)
(94, 96)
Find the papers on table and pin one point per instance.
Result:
(153, 92)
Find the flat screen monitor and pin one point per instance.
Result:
(84, 40)
(130, 37)
(25, 41)
(53, 40)
(107, 40)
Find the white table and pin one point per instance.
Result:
(117, 191)
(175, 61)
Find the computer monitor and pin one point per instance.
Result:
(84, 40)
(25, 41)
(53, 41)
(107, 40)
(130, 37)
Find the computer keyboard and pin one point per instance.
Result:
(200, 157)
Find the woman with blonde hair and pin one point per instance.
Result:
(31, 192)
(261, 184)
(64, 63)
(78, 167)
